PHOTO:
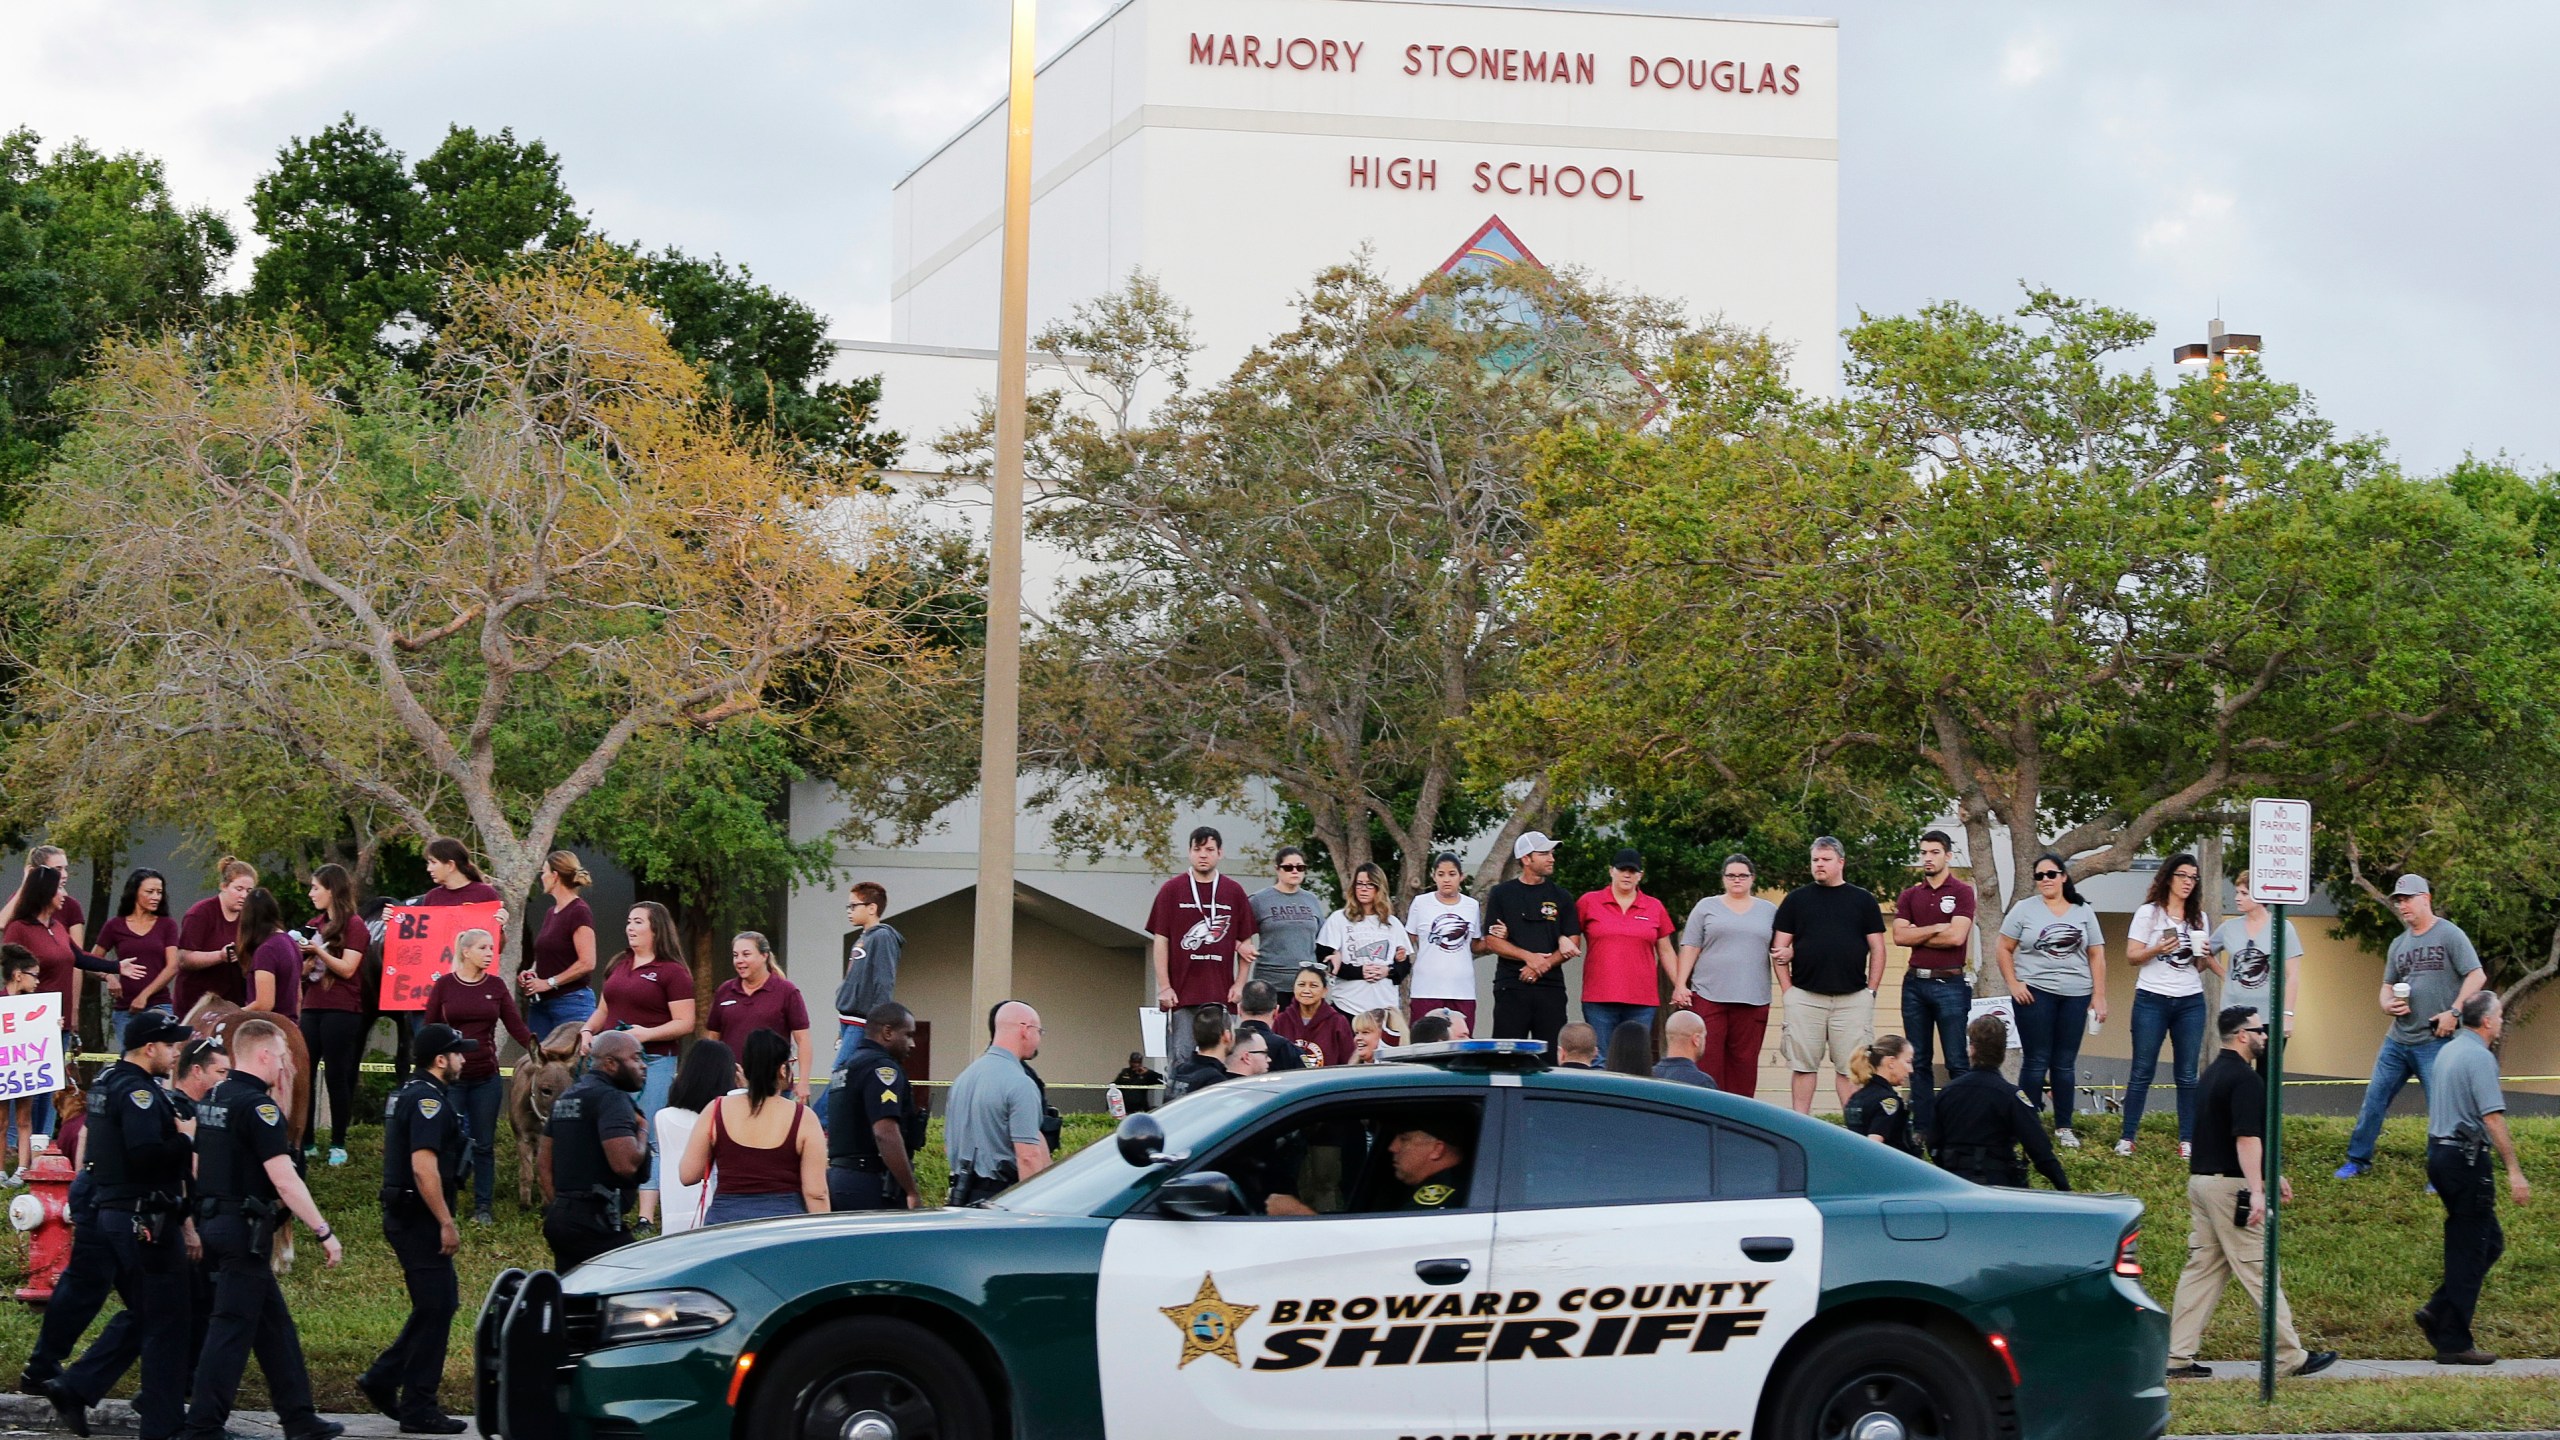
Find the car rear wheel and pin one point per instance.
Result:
(869, 1378)
(1887, 1382)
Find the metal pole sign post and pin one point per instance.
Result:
(2279, 875)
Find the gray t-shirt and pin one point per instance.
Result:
(2053, 950)
(1287, 925)
(2251, 961)
(1733, 951)
(993, 1107)
(2433, 964)
(2463, 1086)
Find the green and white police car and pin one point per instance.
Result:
(1467, 1243)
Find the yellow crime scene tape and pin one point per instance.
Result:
(376, 1067)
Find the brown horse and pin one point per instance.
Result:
(214, 1018)
(538, 1081)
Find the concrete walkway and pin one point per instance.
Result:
(2393, 1370)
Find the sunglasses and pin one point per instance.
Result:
(2048, 874)
(1294, 867)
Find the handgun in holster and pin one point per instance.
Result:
(264, 1218)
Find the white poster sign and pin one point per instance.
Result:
(30, 1045)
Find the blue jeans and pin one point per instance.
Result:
(2049, 1034)
(567, 1007)
(1933, 1010)
(2181, 1019)
(1605, 1016)
(2398, 1062)
(654, 1085)
(480, 1101)
(726, 1208)
(120, 1019)
(848, 1040)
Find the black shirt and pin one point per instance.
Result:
(240, 1127)
(1198, 1073)
(1446, 1190)
(1878, 1109)
(2232, 1102)
(875, 1088)
(585, 1116)
(1681, 1070)
(421, 1116)
(1978, 1122)
(1831, 924)
(1284, 1054)
(135, 1146)
(1533, 917)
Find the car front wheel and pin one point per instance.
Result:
(869, 1378)
(1887, 1382)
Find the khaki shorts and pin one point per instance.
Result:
(1818, 1025)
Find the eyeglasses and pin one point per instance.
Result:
(1737, 874)
(2048, 874)
(1293, 867)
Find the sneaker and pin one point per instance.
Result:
(2431, 1187)
(2066, 1139)
(2125, 1148)
(2473, 1356)
(2314, 1363)
(14, 1180)
(2190, 1371)
(434, 1423)
(318, 1429)
(2186, 1150)
(380, 1393)
(337, 1155)
(482, 1216)
(2352, 1169)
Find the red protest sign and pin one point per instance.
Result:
(417, 946)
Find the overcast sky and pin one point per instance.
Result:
(2329, 174)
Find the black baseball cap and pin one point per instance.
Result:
(435, 1040)
(1629, 858)
(154, 1027)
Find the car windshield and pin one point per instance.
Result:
(1091, 1177)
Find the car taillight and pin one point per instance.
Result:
(2129, 1254)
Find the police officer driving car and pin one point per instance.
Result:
(874, 1125)
(1429, 1158)
(245, 1186)
(423, 1141)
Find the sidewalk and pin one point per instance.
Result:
(2388, 1370)
(28, 1415)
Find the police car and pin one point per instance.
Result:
(1467, 1243)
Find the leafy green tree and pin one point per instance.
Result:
(2082, 606)
(90, 245)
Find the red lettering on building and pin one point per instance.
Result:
(1731, 77)
(1294, 52)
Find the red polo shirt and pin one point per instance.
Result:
(1619, 964)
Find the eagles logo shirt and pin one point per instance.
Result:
(1202, 923)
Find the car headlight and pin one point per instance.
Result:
(661, 1315)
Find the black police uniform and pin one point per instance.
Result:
(1446, 1190)
(587, 1198)
(1978, 1124)
(874, 1088)
(420, 1116)
(138, 1174)
(79, 1292)
(239, 1128)
(1878, 1109)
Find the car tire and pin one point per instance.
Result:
(906, 1377)
(1887, 1382)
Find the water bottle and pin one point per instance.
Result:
(1119, 1107)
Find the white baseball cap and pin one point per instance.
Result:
(1530, 844)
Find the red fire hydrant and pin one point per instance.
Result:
(43, 1210)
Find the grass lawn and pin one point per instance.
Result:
(2360, 1255)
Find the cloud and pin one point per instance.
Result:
(2027, 59)
(2201, 214)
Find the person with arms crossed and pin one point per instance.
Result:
(2227, 1203)
(2466, 1122)
(991, 1126)
(1199, 921)
(1935, 919)
(1531, 931)
(2431, 970)
(878, 1126)
(423, 1142)
(1828, 943)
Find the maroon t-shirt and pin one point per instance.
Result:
(555, 945)
(641, 996)
(477, 1008)
(150, 946)
(735, 1014)
(50, 943)
(1201, 926)
(70, 913)
(205, 929)
(329, 992)
(280, 957)
(1921, 905)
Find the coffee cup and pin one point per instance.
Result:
(2400, 990)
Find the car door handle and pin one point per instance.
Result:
(1768, 1249)
(1442, 1272)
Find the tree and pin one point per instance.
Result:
(462, 595)
(1303, 576)
(90, 245)
(2079, 605)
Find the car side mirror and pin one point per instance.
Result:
(1141, 1141)
(1201, 1195)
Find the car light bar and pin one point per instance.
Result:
(1472, 1054)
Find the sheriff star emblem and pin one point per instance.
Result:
(1209, 1324)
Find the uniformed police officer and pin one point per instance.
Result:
(1428, 1156)
(1981, 1119)
(595, 1150)
(1877, 1110)
(423, 1142)
(138, 1165)
(875, 1126)
(245, 1185)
